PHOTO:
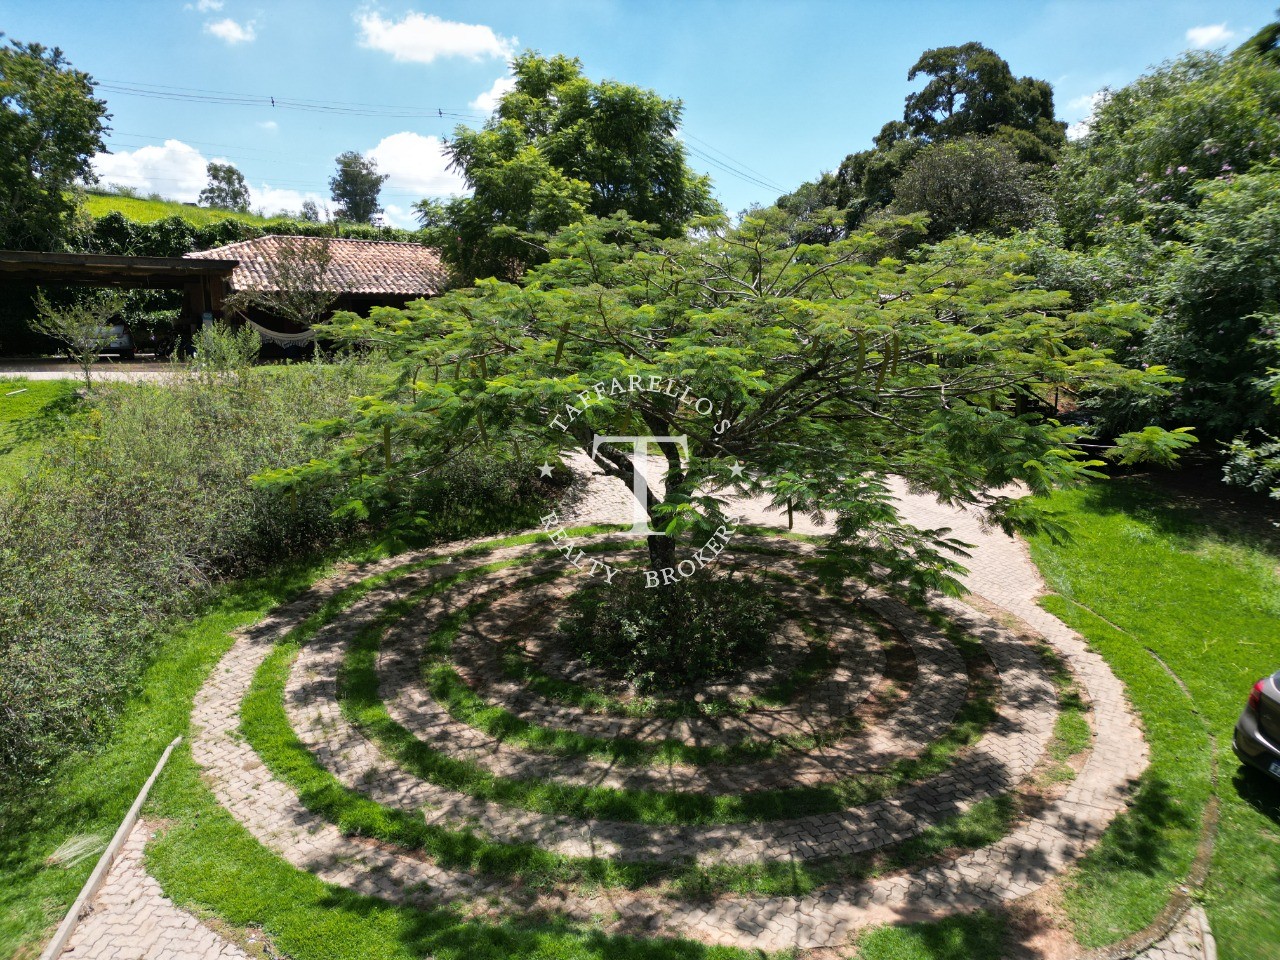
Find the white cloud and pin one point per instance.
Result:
(231, 31)
(272, 200)
(416, 165)
(268, 125)
(175, 170)
(1209, 35)
(421, 39)
(1084, 106)
(489, 99)
(402, 217)
(206, 6)
(1083, 109)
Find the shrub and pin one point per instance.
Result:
(129, 520)
(132, 519)
(693, 632)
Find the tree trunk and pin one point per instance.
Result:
(662, 552)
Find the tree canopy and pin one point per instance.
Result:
(969, 185)
(970, 94)
(51, 125)
(226, 188)
(355, 187)
(559, 147)
(821, 369)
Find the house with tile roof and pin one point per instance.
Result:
(361, 273)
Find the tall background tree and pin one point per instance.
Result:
(226, 188)
(970, 93)
(51, 125)
(1170, 199)
(356, 187)
(559, 147)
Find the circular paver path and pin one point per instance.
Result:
(999, 571)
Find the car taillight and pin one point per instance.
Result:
(1255, 698)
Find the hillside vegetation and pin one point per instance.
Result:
(142, 210)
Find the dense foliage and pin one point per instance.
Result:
(50, 126)
(701, 630)
(970, 95)
(226, 188)
(969, 186)
(1168, 201)
(147, 503)
(560, 146)
(822, 369)
(1171, 200)
(138, 510)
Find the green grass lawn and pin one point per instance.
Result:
(31, 411)
(90, 793)
(1179, 571)
(147, 211)
(1146, 572)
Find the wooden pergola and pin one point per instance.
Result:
(204, 282)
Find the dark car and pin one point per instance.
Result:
(1257, 737)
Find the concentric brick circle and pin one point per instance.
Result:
(844, 770)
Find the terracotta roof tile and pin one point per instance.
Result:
(355, 266)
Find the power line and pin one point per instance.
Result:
(723, 162)
(270, 102)
(746, 177)
(764, 177)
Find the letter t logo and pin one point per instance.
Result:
(639, 487)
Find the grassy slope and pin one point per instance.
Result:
(90, 793)
(1198, 585)
(146, 211)
(28, 418)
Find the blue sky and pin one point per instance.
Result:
(776, 91)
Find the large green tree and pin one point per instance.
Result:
(51, 125)
(969, 93)
(226, 189)
(821, 369)
(355, 188)
(969, 185)
(558, 147)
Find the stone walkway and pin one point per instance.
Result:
(1000, 572)
(1002, 759)
(132, 919)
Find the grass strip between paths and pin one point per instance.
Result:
(265, 725)
(363, 707)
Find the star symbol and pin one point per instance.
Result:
(736, 470)
(545, 469)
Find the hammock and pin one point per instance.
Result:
(283, 339)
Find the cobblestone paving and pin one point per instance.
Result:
(1015, 866)
(132, 919)
(1190, 939)
(997, 763)
(1011, 868)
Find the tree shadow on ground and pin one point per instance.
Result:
(443, 932)
(40, 424)
(1191, 504)
(1136, 839)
